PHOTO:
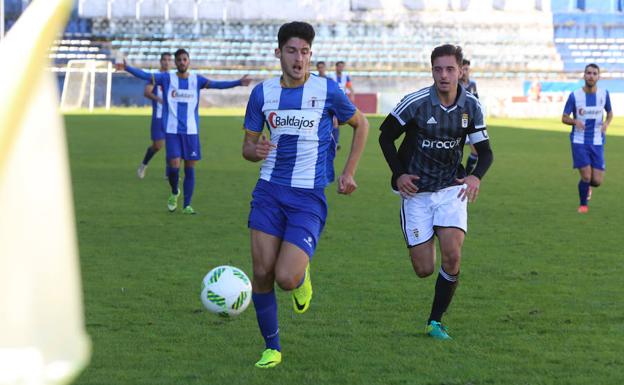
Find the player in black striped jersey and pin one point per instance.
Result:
(470, 86)
(428, 174)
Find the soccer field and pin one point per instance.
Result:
(539, 301)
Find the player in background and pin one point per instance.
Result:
(344, 82)
(427, 172)
(588, 132)
(155, 94)
(288, 207)
(321, 69)
(180, 118)
(470, 86)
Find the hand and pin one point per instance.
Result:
(471, 190)
(406, 186)
(264, 147)
(120, 66)
(605, 125)
(346, 184)
(245, 80)
(579, 125)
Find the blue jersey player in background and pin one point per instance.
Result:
(155, 94)
(288, 207)
(588, 132)
(181, 120)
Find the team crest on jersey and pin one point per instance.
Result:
(581, 111)
(464, 120)
(312, 102)
(416, 233)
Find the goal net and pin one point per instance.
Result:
(87, 85)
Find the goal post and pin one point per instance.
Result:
(87, 85)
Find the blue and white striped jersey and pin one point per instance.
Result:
(343, 81)
(588, 108)
(157, 108)
(300, 123)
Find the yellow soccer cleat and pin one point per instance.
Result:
(270, 358)
(302, 296)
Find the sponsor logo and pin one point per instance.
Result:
(182, 94)
(464, 120)
(293, 122)
(590, 112)
(432, 121)
(440, 144)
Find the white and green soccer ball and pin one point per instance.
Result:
(226, 290)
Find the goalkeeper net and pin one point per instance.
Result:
(87, 85)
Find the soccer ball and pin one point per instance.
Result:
(226, 290)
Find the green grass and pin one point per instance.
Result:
(539, 300)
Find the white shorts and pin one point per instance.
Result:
(424, 211)
(467, 142)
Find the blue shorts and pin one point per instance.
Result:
(183, 146)
(158, 131)
(295, 215)
(588, 155)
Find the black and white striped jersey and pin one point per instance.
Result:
(435, 136)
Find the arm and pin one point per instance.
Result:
(350, 93)
(221, 85)
(139, 73)
(569, 109)
(346, 182)
(607, 122)
(255, 146)
(391, 130)
(473, 181)
(147, 92)
(567, 119)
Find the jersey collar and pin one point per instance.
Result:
(459, 102)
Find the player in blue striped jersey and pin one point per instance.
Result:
(180, 118)
(288, 208)
(588, 132)
(155, 94)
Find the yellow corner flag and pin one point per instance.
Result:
(42, 334)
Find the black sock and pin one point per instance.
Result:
(444, 290)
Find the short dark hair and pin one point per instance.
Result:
(339, 62)
(448, 50)
(465, 62)
(592, 65)
(162, 55)
(318, 63)
(181, 51)
(299, 29)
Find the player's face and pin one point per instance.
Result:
(321, 69)
(295, 58)
(465, 73)
(182, 63)
(339, 68)
(446, 73)
(591, 77)
(166, 63)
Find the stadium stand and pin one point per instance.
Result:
(509, 42)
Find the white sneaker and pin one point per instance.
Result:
(141, 171)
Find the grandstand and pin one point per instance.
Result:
(386, 43)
